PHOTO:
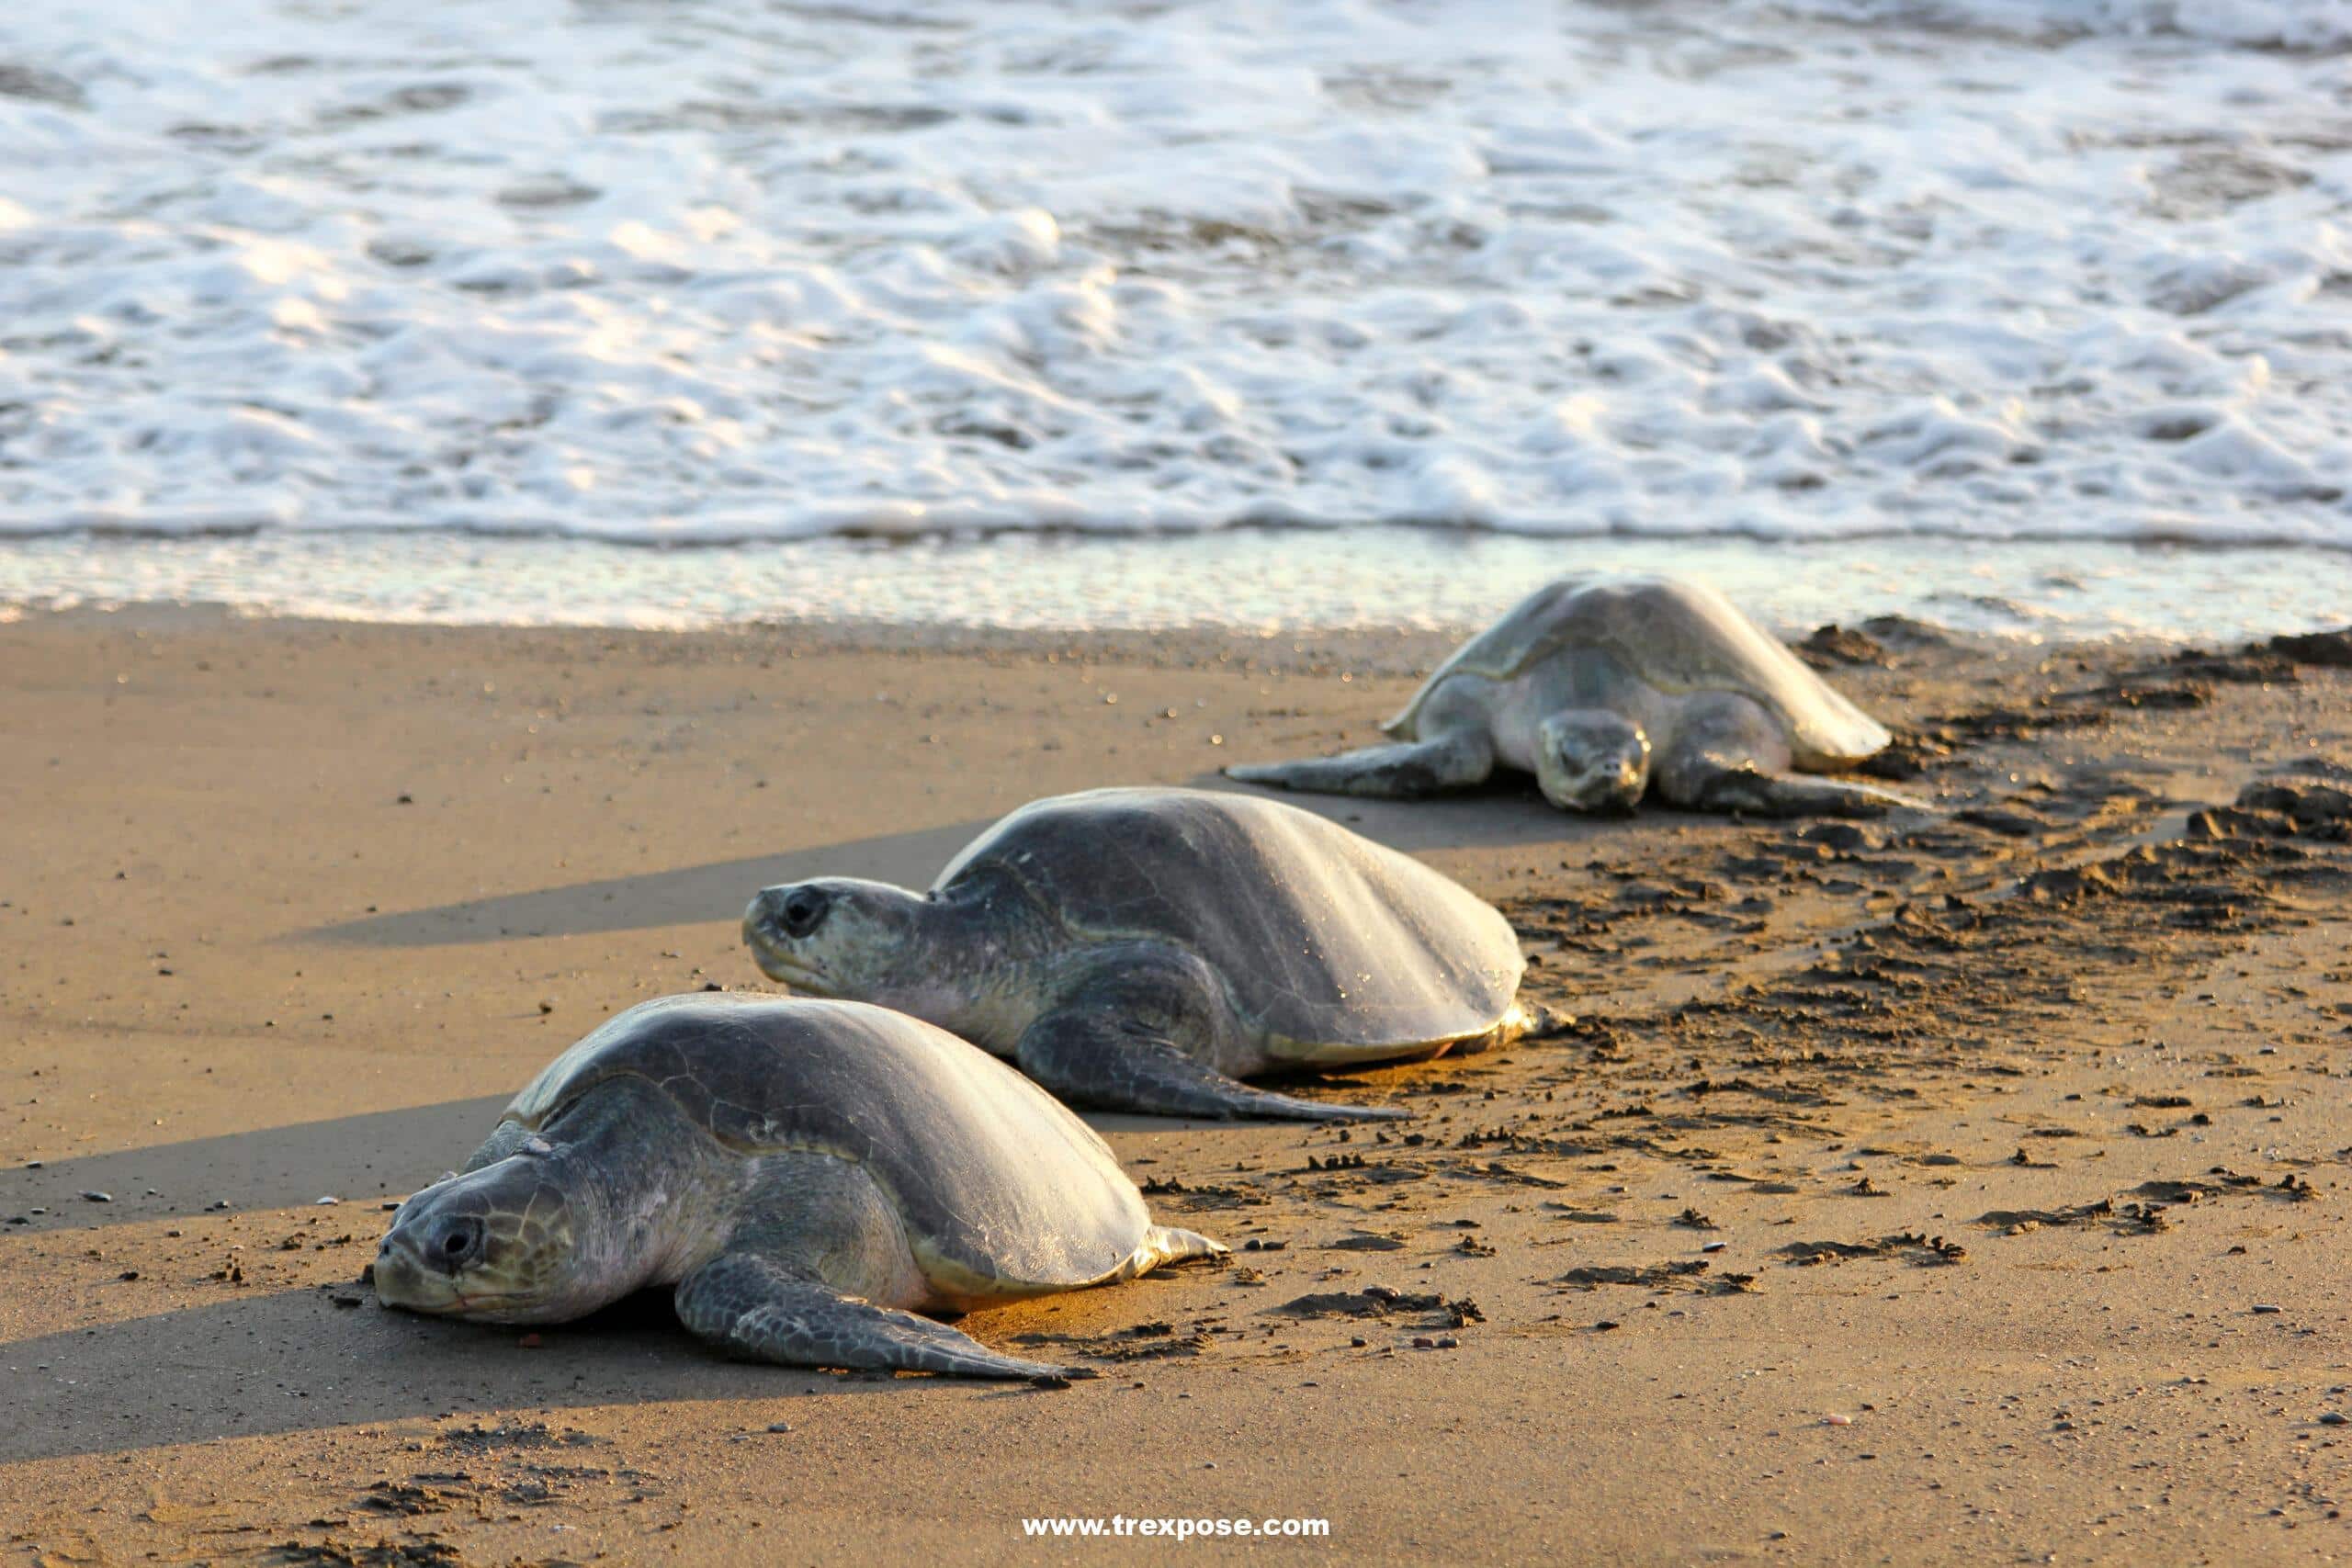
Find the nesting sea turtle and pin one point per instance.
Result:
(1143, 949)
(1605, 687)
(800, 1170)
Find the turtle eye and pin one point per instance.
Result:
(458, 1243)
(803, 912)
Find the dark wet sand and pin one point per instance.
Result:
(2009, 1118)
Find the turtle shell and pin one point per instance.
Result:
(1678, 636)
(1002, 1190)
(1330, 945)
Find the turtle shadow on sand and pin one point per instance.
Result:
(292, 1360)
(681, 896)
(1504, 812)
(361, 1159)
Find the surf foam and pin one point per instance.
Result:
(681, 271)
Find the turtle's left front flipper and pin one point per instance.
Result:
(1118, 1041)
(1744, 787)
(766, 1309)
(1087, 1057)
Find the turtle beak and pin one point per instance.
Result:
(771, 950)
(760, 937)
(401, 1281)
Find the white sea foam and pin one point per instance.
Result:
(692, 270)
(2275, 24)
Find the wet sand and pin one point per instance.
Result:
(1960, 1185)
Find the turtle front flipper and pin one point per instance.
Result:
(1729, 755)
(765, 1309)
(1406, 770)
(1115, 1042)
(1741, 787)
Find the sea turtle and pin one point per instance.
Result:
(1142, 949)
(1605, 686)
(800, 1170)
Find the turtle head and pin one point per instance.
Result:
(513, 1242)
(1592, 760)
(839, 936)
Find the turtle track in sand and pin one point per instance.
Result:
(1893, 971)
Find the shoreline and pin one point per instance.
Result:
(1250, 582)
(1952, 1093)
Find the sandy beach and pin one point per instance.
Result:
(1968, 1185)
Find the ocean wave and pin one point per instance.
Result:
(885, 525)
(677, 272)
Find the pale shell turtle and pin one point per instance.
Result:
(1145, 948)
(802, 1172)
(1605, 687)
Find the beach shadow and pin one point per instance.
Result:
(684, 896)
(260, 1363)
(360, 1160)
(1505, 814)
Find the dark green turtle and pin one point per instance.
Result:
(800, 1170)
(1145, 948)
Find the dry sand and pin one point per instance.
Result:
(291, 907)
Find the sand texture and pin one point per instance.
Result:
(1963, 1186)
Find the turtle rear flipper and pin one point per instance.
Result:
(767, 1309)
(1166, 1244)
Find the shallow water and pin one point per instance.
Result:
(1282, 579)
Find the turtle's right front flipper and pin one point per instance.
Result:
(765, 1310)
(1088, 1053)
(1406, 770)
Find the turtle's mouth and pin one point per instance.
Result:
(777, 961)
(403, 1281)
